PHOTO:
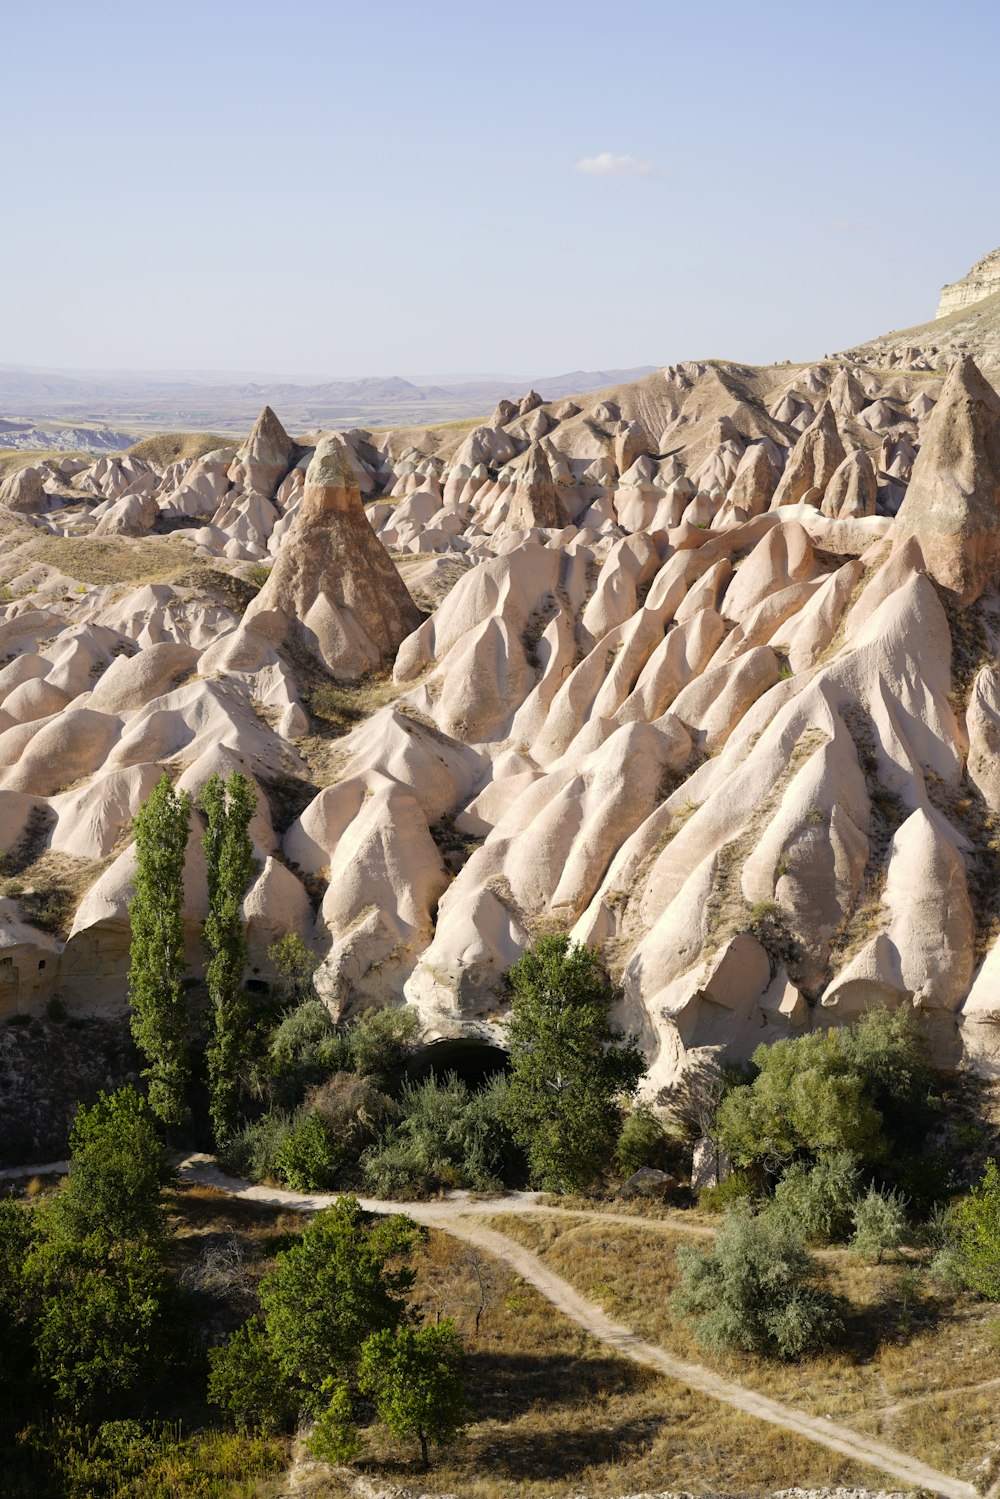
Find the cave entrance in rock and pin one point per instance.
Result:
(475, 1062)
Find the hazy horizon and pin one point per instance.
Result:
(231, 188)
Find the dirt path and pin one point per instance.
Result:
(454, 1216)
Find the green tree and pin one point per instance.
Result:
(414, 1376)
(16, 1233)
(159, 1022)
(117, 1168)
(326, 1294)
(757, 1290)
(229, 863)
(642, 1142)
(100, 1327)
(808, 1097)
(571, 1071)
(975, 1229)
(246, 1380)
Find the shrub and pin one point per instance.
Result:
(353, 1109)
(117, 1167)
(253, 1150)
(307, 1158)
(643, 1142)
(379, 1043)
(738, 1186)
(326, 1294)
(976, 1235)
(806, 1097)
(304, 1050)
(879, 1224)
(817, 1201)
(295, 965)
(757, 1290)
(415, 1378)
(245, 1379)
(445, 1136)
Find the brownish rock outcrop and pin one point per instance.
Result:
(266, 456)
(853, 490)
(812, 462)
(952, 505)
(536, 501)
(24, 492)
(334, 586)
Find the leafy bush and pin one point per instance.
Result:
(880, 1224)
(246, 1380)
(307, 1158)
(445, 1136)
(739, 1186)
(806, 1097)
(354, 1110)
(976, 1235)
(253, 1150)
(757, 1290)
(866, 1088)
(295, 965)
(643, 1142)
(304, 1049)
(379, 1043)
(817, 1201)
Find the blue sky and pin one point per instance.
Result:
(395, 188)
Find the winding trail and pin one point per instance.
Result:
(454, 1214)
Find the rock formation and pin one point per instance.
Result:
(333, 587)
(982, 281)
(681, 657)
(952, 504)
(264, 458)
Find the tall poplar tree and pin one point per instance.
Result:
(158, 1019)
(229, 861)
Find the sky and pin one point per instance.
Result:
(400, 188)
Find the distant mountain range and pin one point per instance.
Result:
(161, 400)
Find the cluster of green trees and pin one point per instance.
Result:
(337, 1110)
(334, 1328)
(87, 1307)
(831, 1140)
(96, 1329)
(160, 1022)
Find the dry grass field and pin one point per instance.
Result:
(551, 1411)
(168, 447)
(905, 1339)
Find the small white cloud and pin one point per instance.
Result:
(607, 164)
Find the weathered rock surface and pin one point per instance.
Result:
(333, 587)
(656, 684)
(952, 505)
